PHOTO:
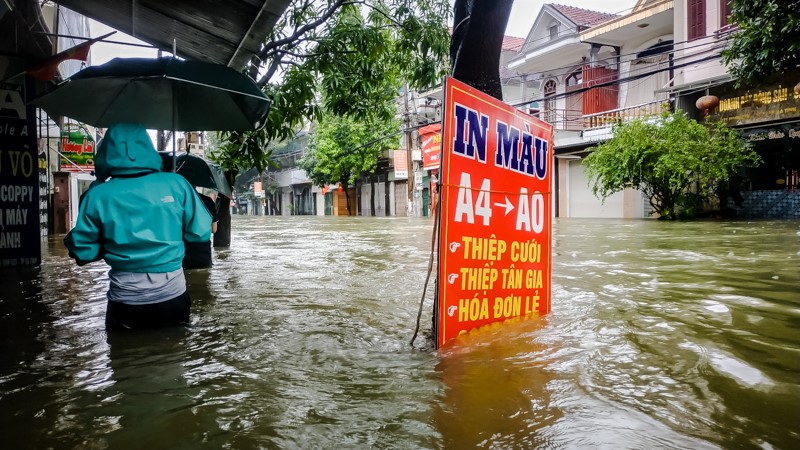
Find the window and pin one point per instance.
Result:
(550, 102)
(696, 15)
(724, 12)
(575, 78)
(553, 31)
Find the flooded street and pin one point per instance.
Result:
(662, 335)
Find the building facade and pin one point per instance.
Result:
(768, 114)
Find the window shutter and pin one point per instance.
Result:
(724, 12)
(696, 15)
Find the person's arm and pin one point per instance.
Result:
(211, 206)
(83, 241)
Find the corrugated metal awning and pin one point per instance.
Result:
(228, 32)
(694, 85)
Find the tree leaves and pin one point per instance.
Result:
(343, 149)
(673, 160)
(345, 58)
(766, 41)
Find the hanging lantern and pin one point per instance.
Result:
(706, 103)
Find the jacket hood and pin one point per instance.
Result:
(126, 149)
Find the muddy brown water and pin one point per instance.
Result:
(662, 335)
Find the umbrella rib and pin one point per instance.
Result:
(219, 88)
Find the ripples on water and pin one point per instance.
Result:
(662, 335)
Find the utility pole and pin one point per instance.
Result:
(409, 155)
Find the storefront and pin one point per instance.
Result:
(769, 116)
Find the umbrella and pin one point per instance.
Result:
(198, 171)
(164, 93)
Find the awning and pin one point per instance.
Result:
(226, 32)
(695, 85)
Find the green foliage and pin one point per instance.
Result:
(344, 58)
(675, 161)
(344, 149)
(766, 41)
(245, 179)
(239, 151)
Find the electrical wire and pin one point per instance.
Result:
(617, 81)
(714, 51)
(569, 69)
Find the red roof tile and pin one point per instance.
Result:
(583, 17)
(512, 43)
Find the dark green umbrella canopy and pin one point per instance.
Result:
(164, 93)
(198, 171)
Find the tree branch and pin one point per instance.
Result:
(391, 19)
(270, 72)
(300, 31)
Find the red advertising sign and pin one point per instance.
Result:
(495, 237)
(400, 164)
(77, 150)
(431, 137)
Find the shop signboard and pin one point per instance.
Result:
(400, 164)
(738, 107)
(20, 243)
(495, 235)
(788, 133)
(431, 137)
(77, 150)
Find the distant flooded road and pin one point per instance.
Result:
(662, 335)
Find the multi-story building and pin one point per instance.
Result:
(596, 70)
(582, 60)
(767, 114)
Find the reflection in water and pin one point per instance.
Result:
(148, 381)
(662, 335)
(496, 371)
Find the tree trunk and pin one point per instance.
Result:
(222, 238)
(479, 27)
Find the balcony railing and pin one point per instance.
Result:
(621, 115)
(571, 120)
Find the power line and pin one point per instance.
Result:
(581, 24)
(714, 51)
(620, 80)
(557, 72)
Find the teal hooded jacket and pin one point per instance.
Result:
(135, 216)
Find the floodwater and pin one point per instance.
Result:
(662, 335)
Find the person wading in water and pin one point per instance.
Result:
(137, 218)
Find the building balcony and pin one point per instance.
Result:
(572, 128)
(620, 115)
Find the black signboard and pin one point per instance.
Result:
(769, 102)
(787, 132)
(20, 243)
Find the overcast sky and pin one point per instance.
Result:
(103, 52)
(523, 14)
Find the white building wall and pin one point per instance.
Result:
(286, 199)
(320, 198)
(581, 201)
(644, 90)
(698, 48)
